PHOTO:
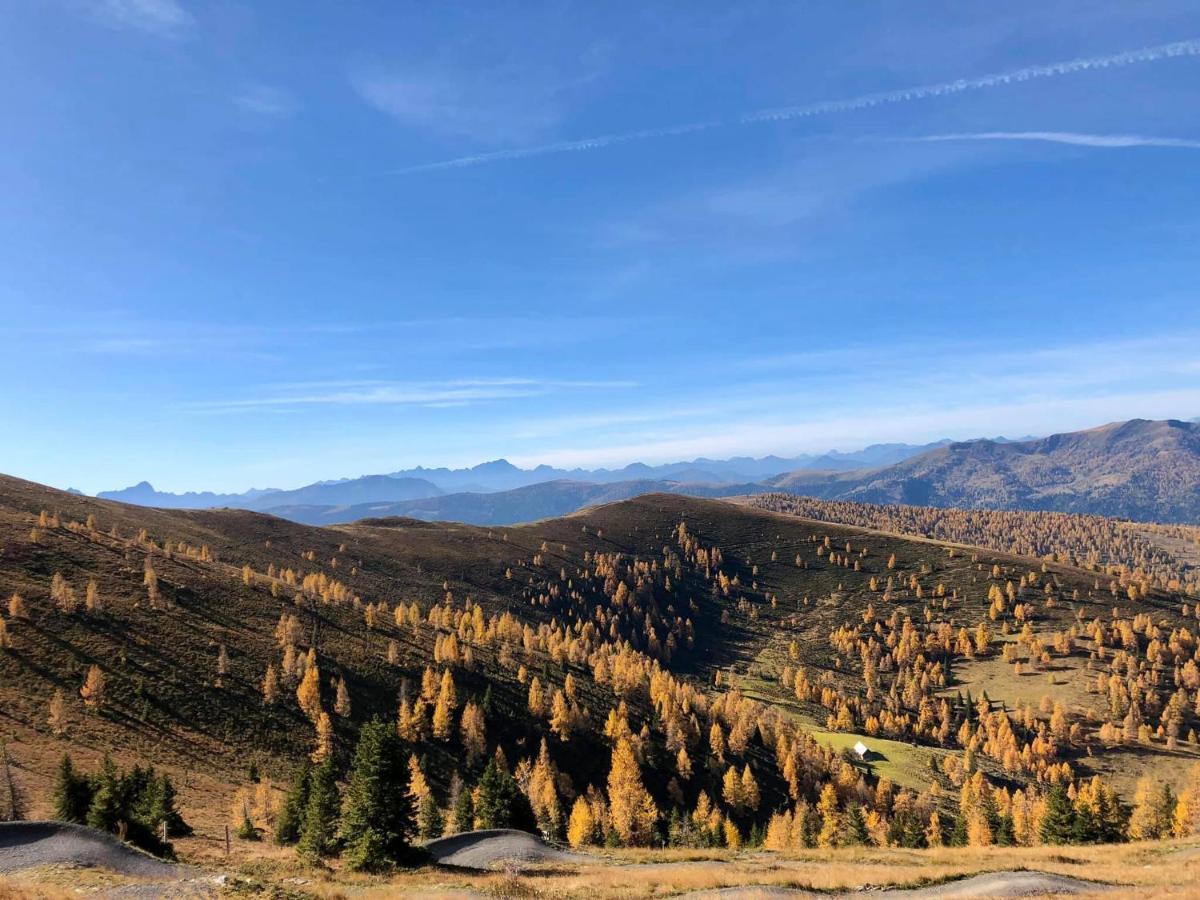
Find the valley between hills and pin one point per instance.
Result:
(663, 672)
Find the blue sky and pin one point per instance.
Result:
(267, 243)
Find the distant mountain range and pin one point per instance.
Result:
(501, 475)
(370, 488)
(1140, 469)
(547, 499)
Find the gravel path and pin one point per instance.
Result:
(495, 848)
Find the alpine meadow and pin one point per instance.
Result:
(567, 449)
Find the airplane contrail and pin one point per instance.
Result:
(1065, 137)
(866, 101)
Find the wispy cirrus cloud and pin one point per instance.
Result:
(1074, 138)
(161, 18)
(493, 106)
(979, 390)
(1178, 49)
(430, 394)
(266, 101)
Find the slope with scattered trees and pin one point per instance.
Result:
(652, 671)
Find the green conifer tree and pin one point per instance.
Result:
(464, 812)
(72, 794)
(318, 832)
(501, 804)
(377, 819)
(856, 834)
(430, 821)
(291, 817)
(1058, 823)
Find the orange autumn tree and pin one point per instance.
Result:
(631, 808)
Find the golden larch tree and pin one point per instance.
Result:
(443, 710)
(270, 685)
(581, 828)
(631, 809)
(308, 694)
(474, 731)
(341, 702)
(94, 688)
(324, 742)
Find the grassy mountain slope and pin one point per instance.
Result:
(721, 601)
(1147, 470)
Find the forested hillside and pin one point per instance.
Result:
(1168, 556)
(664, 669)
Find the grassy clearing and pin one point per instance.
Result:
(907, 765)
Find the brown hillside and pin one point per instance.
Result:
(708, 624)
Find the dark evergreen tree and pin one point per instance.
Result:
(1058, 822)
(756, 835)
(430, 821)
(168, 812)
(501, 803)
(377, 821)
(247, 831)
(291, 817)
(105, 810)
(464, 811)
(318, 832)
(906, 830)
(958, 834)
(1005, 837)
(855, 834)
(72, 795)
(808, 827)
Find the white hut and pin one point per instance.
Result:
(861, 750)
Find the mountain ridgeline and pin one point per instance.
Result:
(1141, 470)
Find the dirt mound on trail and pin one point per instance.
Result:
(26, 845)
(1002, 884)
(977, 887)
(494, 848)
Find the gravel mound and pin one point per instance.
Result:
(494, 848)
(1002, 884)
(24, 845)
(977, 887)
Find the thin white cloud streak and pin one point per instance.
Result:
(455, 392)
(918, 424)
(162, 18)
(1074, 138)
(1174, 50)
(266, 101)
(761, 415)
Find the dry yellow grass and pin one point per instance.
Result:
(1149, 870)
(1170, 869)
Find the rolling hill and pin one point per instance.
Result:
(1144, 470)
(752, 640)
(526, 504)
